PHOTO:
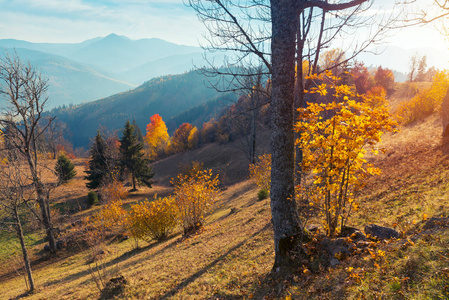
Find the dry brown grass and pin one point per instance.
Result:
(222, 261)
(233, 250)
(414, 176)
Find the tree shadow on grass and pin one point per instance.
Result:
(198, 274)
(24, 295)
(122, 258)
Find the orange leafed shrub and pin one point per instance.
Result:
(426, 102)
(194, 193)
(376, 97)
(113, 191)
(209, 131)
(260, 172)
(153, 219)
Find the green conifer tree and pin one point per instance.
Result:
(99, 164)
(132, 157)
(64, 168)
(137, 131)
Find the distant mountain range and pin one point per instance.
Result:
(73, 82)
(103, 66)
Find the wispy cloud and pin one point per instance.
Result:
(67, 6)
(77, 20)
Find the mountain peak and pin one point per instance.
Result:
(114, 36)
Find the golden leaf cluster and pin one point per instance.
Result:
(112, 214)
(194, 193)
(155, 219)
(334, 138)
(159, 143)
(260, 172)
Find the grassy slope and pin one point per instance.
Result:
(232, 257)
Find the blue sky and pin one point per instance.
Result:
(77, 20)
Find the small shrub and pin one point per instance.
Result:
(113, 214)
(426, 102)
(112, 191)
(92, 198)
(263, 194)
(153, 220)
(194, 193)
(260, 172)
(64, 169)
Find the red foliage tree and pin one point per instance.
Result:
(362, 79)
(384, 78)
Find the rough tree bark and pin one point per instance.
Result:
(284, 210)
(286, 224)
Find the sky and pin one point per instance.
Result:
(72, 21)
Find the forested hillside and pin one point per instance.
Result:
(167, 96)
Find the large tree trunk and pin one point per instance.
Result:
(286, 225)
(26, 260)
(134, 181)
(299, 100)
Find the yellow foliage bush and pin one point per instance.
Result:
(426, 102)
(194, 193)
(113, 214)
(155, 219)
(260, 172)
(333, 152)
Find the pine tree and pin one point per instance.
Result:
(99, 164)
(137, 131)
(132, 157)
(64, 168)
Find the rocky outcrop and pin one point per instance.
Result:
(382, 233)
(436, 222)
(114, 288)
